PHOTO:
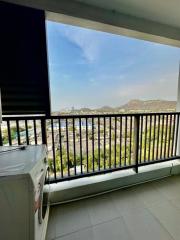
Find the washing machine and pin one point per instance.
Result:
(24, 204)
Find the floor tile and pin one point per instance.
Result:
(125, 200)
(71, 236)
(143, 225)
(101, 209)
(71, 217)
(85, 234)
(51, 230)
(168, 187)
(112, 230)
(144, 212)
(148, 194)
(169, 217)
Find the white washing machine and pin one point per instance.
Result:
(24, 207)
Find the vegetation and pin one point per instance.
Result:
(13, 134)
(120, 156)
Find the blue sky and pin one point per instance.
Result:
(89, 68)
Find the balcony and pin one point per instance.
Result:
(113, 176)
(103, 156)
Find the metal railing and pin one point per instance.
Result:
(84, 145)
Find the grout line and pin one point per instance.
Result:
(88, 227)
(160, 223)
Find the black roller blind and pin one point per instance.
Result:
(23, 61)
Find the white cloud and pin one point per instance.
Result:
(157, 88)
(66, 76)
(93, 82)
(86, 40)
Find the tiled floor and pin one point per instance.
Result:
(149, 211)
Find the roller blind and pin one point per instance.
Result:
(23, 61)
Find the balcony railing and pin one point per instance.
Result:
(84, 145)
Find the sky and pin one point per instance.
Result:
(89, 68)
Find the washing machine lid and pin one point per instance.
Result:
(14, 161)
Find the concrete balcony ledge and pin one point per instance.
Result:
(99, 184)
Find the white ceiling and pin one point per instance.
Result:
(162, 11)
(153, 20)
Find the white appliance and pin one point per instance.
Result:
(24, 207)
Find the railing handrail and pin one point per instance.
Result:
(68, 116)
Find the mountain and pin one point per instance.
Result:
(105, 109)
(84, 109)
(135, 105)
(149, 105)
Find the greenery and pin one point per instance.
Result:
(107, 159)
(13, 132)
